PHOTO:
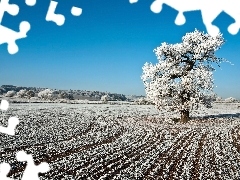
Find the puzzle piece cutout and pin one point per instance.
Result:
(133, 1)
(209, 10)
(59, 19)
(12, 9)
(76, 11)
(4, 105)
(8, 35)
(4, 170)
(31, 171)
(12, 121)
(30, 2)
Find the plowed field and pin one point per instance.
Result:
(123, 142)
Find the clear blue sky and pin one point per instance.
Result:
(105, 48)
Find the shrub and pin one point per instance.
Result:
(10, 93)
(46, 94)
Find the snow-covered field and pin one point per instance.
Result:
(95, 141)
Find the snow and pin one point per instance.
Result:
(124, 141)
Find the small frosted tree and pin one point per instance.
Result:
(219, 99)
(182, 79)
(10, 93)
(230, 99)
(30, 94)
(65, 95)
(105, 98)
(46, 94)
(22, 93)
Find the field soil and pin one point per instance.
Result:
(102, 141)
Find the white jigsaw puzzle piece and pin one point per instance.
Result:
(30, 2)
(190, 5)
(231, 7)
(12, 123)
(59, 19)
(12, 9)
(4, 105)
(31, 171)
(4, 170)
(209, 10)
(133, 1)
(9, 36)
(76, 11)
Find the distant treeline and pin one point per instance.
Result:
(75, 94)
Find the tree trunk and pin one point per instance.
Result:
(184, 116)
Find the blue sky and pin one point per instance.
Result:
(105, 48)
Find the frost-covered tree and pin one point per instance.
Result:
(46, 94)
(65, 95)
(141, 101)
(30, 94)
(219, 99)
(182, 80)
(230, 99)
(10, 93)
(22, 93)
(105, 98)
